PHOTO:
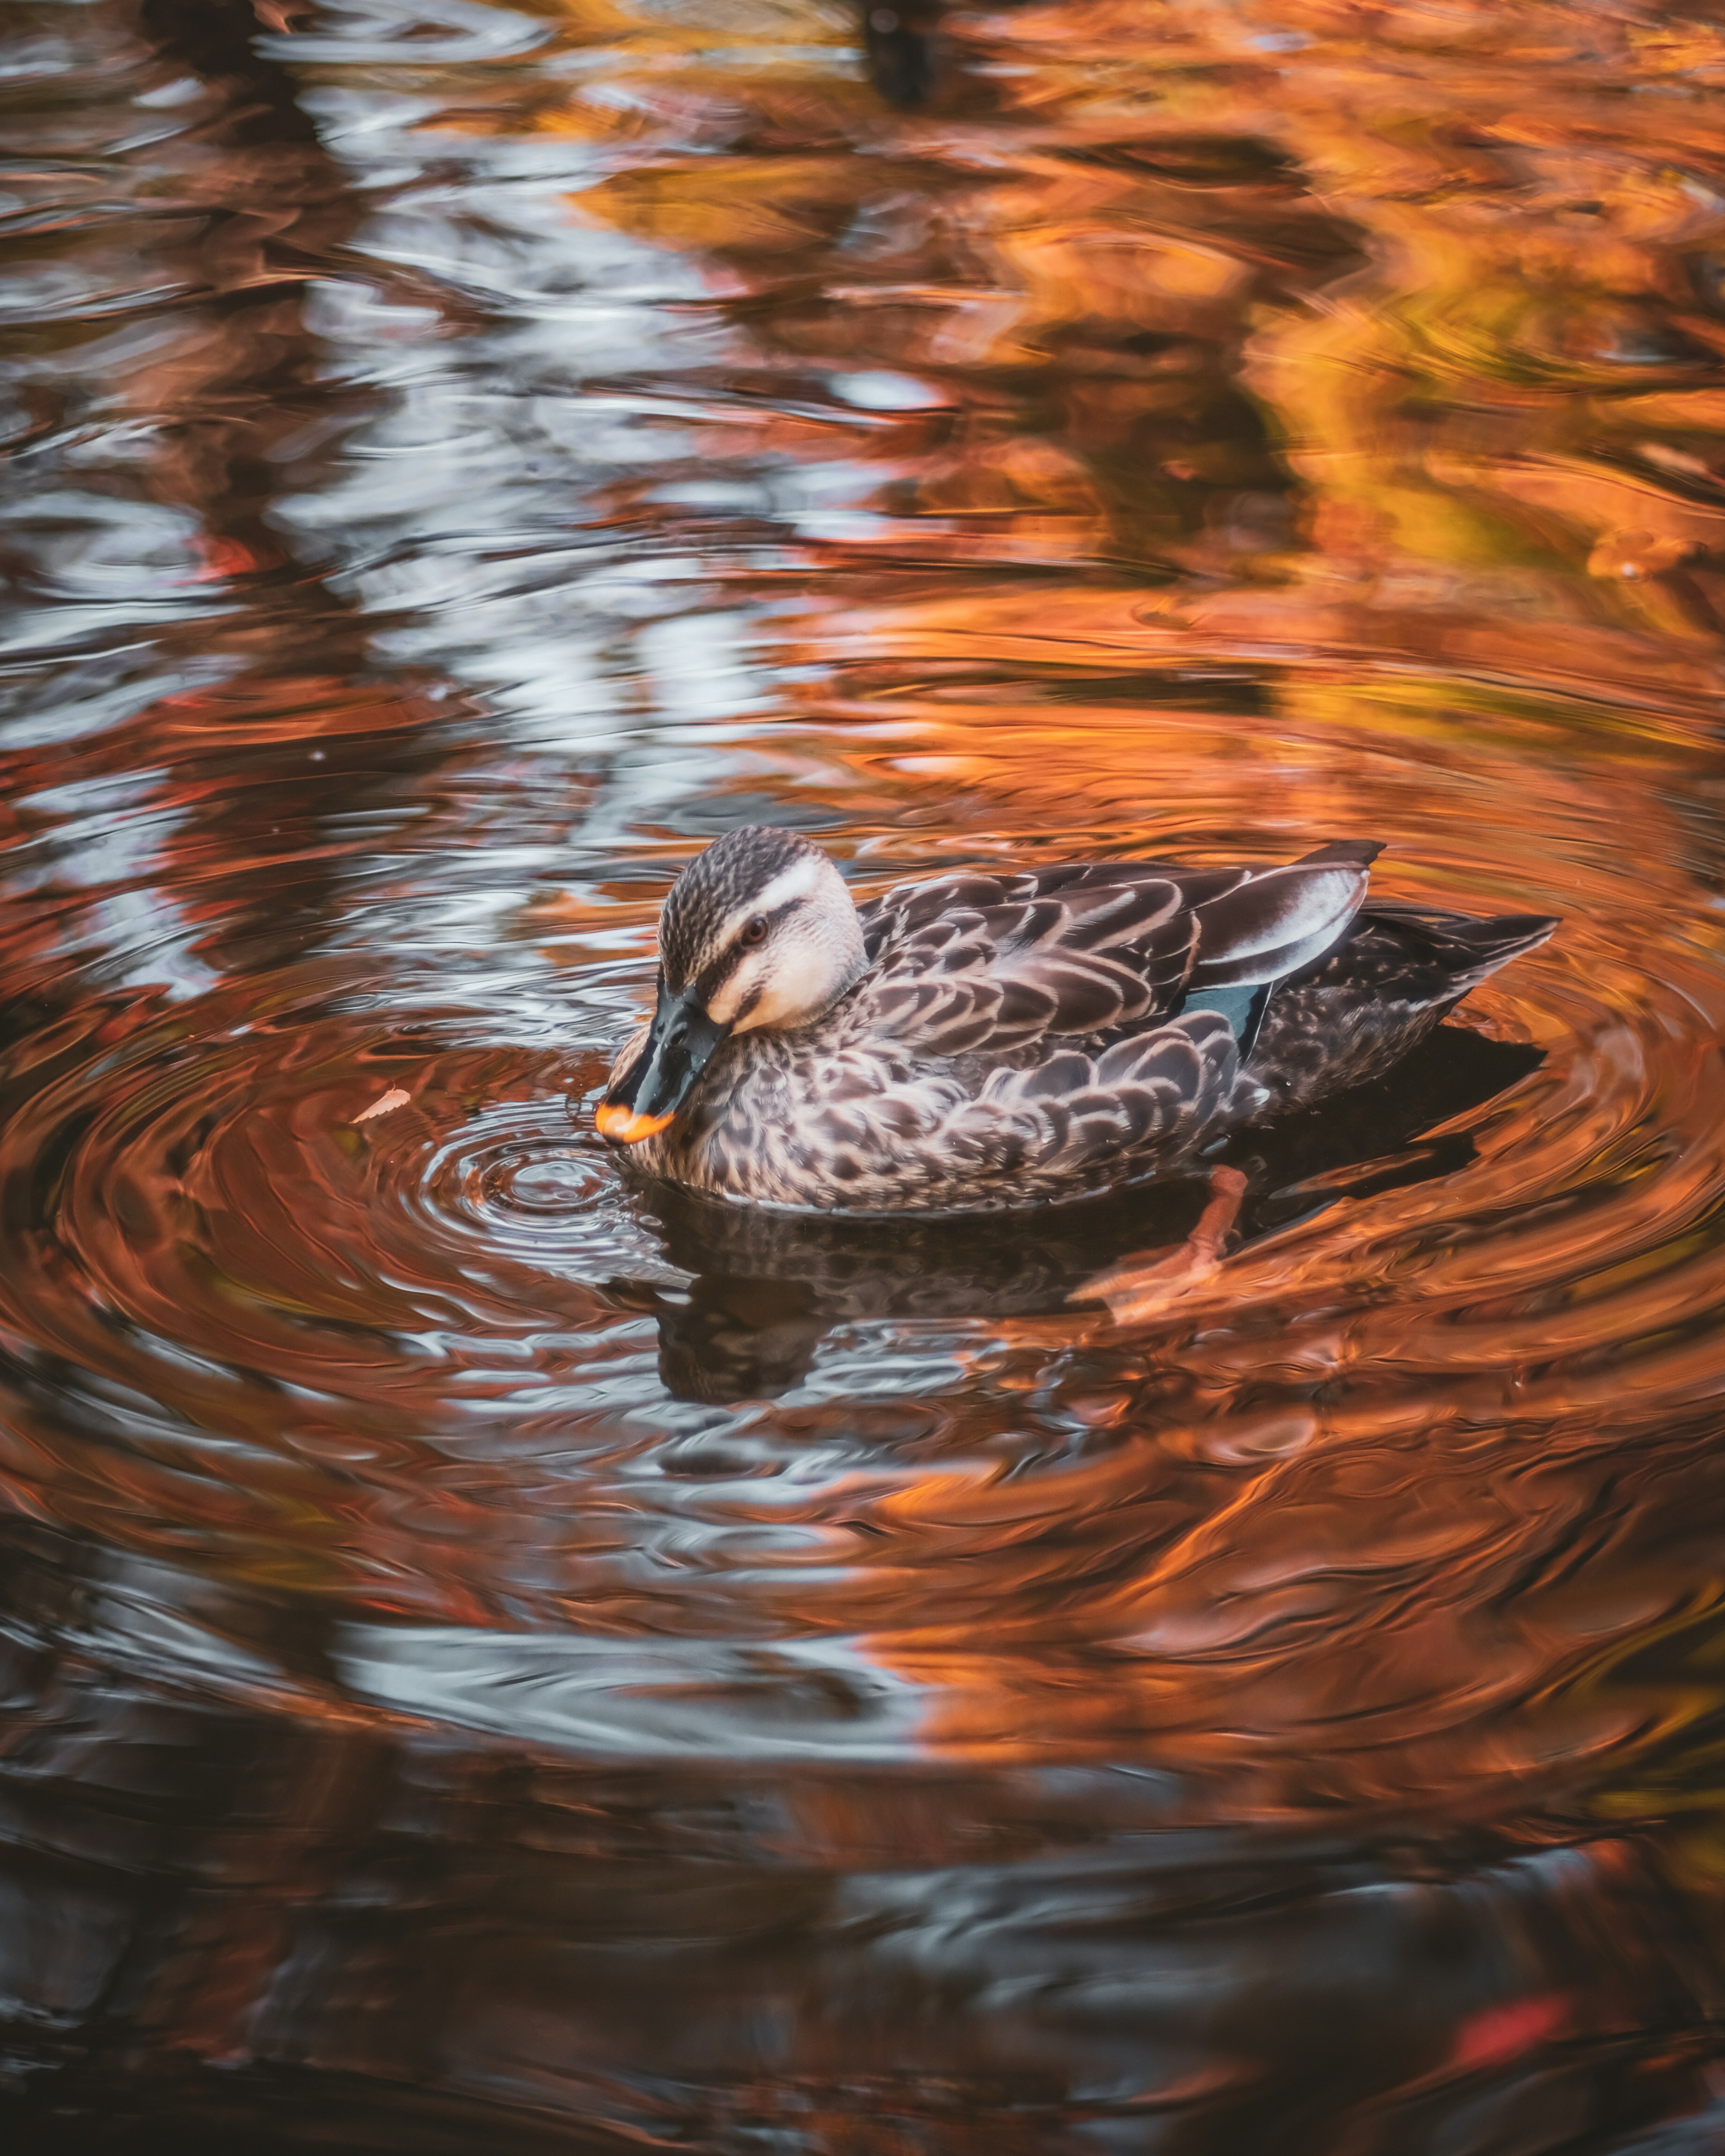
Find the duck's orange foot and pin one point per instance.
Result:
(1138, 1289)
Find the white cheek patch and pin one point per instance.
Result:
(799, 984)
(733, 993)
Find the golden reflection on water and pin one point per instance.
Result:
(463, 459)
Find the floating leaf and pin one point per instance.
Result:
(386, 1104)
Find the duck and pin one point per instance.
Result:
(993, 1039)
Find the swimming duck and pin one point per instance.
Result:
(987, 1040)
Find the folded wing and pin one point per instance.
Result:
(972, 963)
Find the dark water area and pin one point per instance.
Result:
(497, 1658)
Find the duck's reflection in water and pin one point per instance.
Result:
(767, 1288)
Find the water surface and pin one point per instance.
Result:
(498, 1659)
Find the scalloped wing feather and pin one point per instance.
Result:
(1069, 1118)
(973, 963)
(1073, 1112)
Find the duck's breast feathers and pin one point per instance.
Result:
(974, 963)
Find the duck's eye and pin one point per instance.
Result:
(754, 929)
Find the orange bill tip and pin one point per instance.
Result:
(613, 1121)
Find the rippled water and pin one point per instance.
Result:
(497, 1660)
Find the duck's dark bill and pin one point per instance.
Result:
(657, 1083)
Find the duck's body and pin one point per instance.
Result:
(978, 1042)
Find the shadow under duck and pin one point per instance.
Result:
(980, 1041)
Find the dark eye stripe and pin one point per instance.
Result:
(709, 983)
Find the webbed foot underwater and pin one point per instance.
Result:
(977, 1041)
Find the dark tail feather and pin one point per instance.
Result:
(1362, 852)
(1471, 949)
(1493, 943)
(1507, 935)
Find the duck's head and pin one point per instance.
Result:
(759, 930)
